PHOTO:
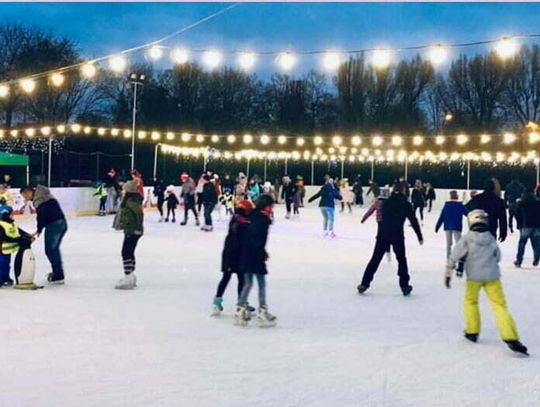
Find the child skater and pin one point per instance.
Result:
(253, 263)
(227, 201)
(172, 203)
(230, 257)
(11, 240)
(131, 222)
(482, 256)
(452, 218)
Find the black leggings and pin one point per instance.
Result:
(430, 204)
(173, 210)
(199, 202)
(222, 286)
(288, 204)
(160, 203)
(128, 252)
(421, 207)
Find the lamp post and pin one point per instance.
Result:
(136, 80)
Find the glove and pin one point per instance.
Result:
(459, 269)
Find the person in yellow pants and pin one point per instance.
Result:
(481, 254)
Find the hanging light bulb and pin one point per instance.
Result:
(377, 141)
(155, 52)
(141, 135)
(438, 55)
(87, 130)
(57, 79)
(318, 140)
(397, 141)
(155, 135)
(462, 139)
(286, 61)
(61, 128)
(46, 131)
(30, 132)
(180, 56)
(282, 139)
(169, 135)
(115, 132)
(300, 141)
(101, 131)
(127, 133)
(214, 138)
(265, 139)
(231, 138)
(89, 70)
(247, 60)
(356, 140)
(248, 139)
(506, 47)
(331, 60)
(28, 85)
(185, 137)
(199, 138)
(337, 140)
(485, 138)
(117, 63)
(439, 140)
(509, 138)
(4, 91)
(212, 59)
(418, 140)
(381, 58)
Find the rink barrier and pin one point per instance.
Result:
(81, 201)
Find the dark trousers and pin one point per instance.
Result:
(208, 208)
(128, 252)
(525, 234)
(288, 204)
(381, 247)
(222, 286)
(199, 202)
(5, 265)
(54, 233)
(512, 209)
(102, 202)
(430, 204)
(173, 211)
(160, 203)
(421, 207)
(189, 205)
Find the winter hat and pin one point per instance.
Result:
(477, 217)
(454, 195)
(130, 187)
(170, 188)
(244, 207)
(264, 201)
(5, 212)
(267, 185)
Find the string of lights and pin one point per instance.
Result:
(505, 47)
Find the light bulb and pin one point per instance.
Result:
(155, 52)
(88, 70)
(381, 58)
(438, 55)
(4, 91)
(212, 59)
(286, 61)
(180, 56)
(331, 60)
(57, 79)
(247, 60)
(117, 63)
(506, 47)
(28, 85)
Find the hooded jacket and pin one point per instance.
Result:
(494, 207)
(528, 212)
(328, 194)
(513, 192)
(131, 214)
(47, 208)
(452, 216)
(482, 256)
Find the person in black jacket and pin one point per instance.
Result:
(494, 207)
(395, 210)
(528, 223)
(430, 195)
(51, 218)
(418, 199)
(209, 198)
(172, 203)
(253, 262)
(514, 190)
(159, 193)
(230, 258)
(287, 194)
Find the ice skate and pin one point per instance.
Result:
(518, 347)
(362, 288)
(160, 220)
(173, 220)
(331, 234)
(471, 337)
(517, 264)
(7, 283)
(54, 281)
(129, 282)
(197, 222)
(535, 263)
(242, 316)
(288, 216)
(166, 220)
(406, 290)
(183, 223)
(265, 319)
(217, 307)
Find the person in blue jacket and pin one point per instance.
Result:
(452, 218)
(328, 194)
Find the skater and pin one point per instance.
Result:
(373, 189)
(101, 194)
(301, 188)
(199, 191)
(452, 218)
(327, 194)
(395, 210)
(114, 190)
(376, 207)
(11, 240)
(51, 218)
(358, 191)
(253, 263)
(346, 195)
(528, 222)
(131, 222)
(172, 203)
(159, 193)
(418, 199)
(5, 196)
(493, 205)
(209, 199)
(188, 196)
(287, 194)
(297, 197)
(514, 191)
(137, 177)
(482, 256)
(254, 190)
(240, 190)
(430, 195)
(232, 251)
(227, 201)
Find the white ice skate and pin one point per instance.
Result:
(331, 234)
(129, 282)
(160, 219)
(265, 319)
(242, 316)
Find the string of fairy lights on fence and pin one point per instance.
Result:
(286, 61)
(353, 148)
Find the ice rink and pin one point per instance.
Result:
(86, 344)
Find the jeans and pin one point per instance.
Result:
(5, 265)
(381, 247)
(54, 233)
(248, 284)
(189, 205)
(524, 236)
(128, 252)
(328, 218)
(222, 286)
(102, 203)
(451, 234)
(208, 208)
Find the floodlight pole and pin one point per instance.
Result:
(468, 175)
(265, 164)
(156, 152)
(49, 170)
(312, 172)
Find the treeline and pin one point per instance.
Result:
(483, 93)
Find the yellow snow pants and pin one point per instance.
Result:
(494, 291)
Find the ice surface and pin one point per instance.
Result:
(86, 344)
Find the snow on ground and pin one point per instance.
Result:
(86, 344)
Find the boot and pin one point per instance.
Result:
(517, 346)
(362, 288)
(54, 280)
(406, 290)
(197, 222)
(128, 282)
(160, 219)
(166, 219)
(217, 306)
(471, 337)
(183, 223)
(242, 316)
(265, 319)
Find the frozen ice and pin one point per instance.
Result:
(87, 344)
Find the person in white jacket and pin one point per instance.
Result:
(481, 254)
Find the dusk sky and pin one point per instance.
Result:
(103, 28)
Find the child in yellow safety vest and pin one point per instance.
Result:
(102, 195)
(482, 255)
(11, 238)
